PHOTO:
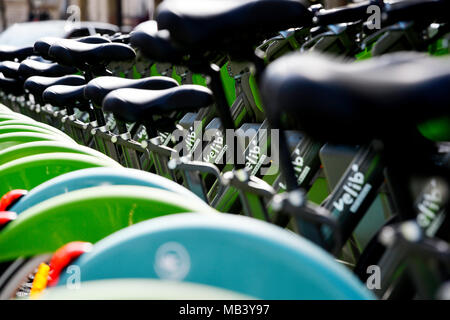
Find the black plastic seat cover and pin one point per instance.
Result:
(120, 38)
(97, 89)
(30, 67)
(345, 14)
(156, 44)
(356, 102)
(63, 95)
(12, 53)
(202, 24)
(11, 86)
(37, 84)
(150, 26)
(74, 53)
(42, 46)
(135, 105)
(417, 10)
(10, 69)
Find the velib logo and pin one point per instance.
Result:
(216, 148)
(222, 146)
(253, 155)
(430, 205)
(301, 171)
(191, 140)
(165, 137)
(354, 191)
(254, 160)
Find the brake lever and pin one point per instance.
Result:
(242, 180)
(153, 145)
(192, 171)
(295, 204)
(251, 188)
(186, 164)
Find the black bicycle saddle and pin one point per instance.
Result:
(345, 14)
(37, 84)
(417, 10)
(198, 25)
(30, 67)
(155, 44)
(356, 102)
(150, 26)
(75, 53)
(97, 89)
(63, 95)
(12, 53)
(11, 86)
(136, 105)
(42, 46)
(10, 69)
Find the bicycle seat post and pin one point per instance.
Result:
(216, 86)
(213, 71)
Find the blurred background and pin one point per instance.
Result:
(124, 13)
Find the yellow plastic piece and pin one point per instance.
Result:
(40, 280)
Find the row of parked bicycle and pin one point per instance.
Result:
(244, 149)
